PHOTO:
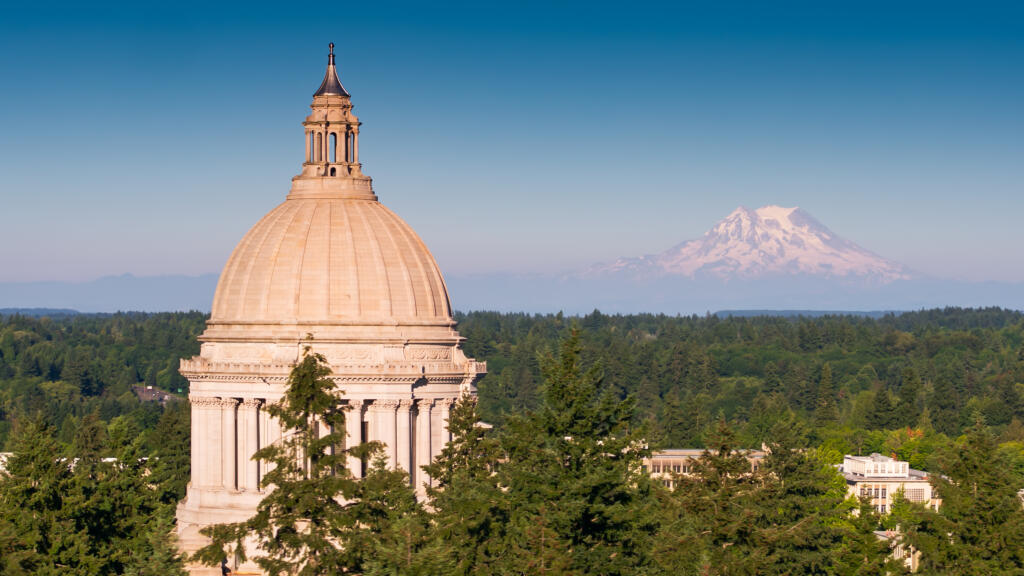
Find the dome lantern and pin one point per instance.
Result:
(332, 140)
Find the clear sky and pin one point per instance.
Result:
(147, 137)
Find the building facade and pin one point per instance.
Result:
(880, 478)
(664, 465)
(334, 269)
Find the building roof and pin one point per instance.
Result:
(331, 84)
(331, 260)
(331, 255)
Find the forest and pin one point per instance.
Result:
(939, 388)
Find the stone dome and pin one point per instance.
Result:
(331, 259)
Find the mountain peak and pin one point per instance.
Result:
(771, 240)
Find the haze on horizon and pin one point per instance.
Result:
(519, 137)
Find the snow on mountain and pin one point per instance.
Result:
(771, 240)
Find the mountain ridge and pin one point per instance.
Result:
(771, 240)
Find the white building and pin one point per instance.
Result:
(664, 465)
(880, 478)
(331, 267)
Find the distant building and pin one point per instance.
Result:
(910, 556)
(664, 465)
(880, 478)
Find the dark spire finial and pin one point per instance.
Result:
(331, 83)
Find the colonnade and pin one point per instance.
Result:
(323, 146)
(226, 432)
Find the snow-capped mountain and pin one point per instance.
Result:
(771, 240)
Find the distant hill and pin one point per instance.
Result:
(805, 313)
(113, 294)
(38, 312)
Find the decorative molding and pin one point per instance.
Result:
(434, 353)
(205, 401)
(229, 402)
(405, 405)
(386, 404)
(252, 403)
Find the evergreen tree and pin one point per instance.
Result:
(908, 409)
(826, 412)
(471, 511)
(711, 508)
(395, 536)
(882, 415)
(316, 519)
(772, 379)
(573, 477)
(801, 519)
(979, 528)
(171, 461)
(35, 536)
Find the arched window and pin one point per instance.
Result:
(332, 153)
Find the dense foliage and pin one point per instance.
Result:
(557, 486)
(65, 368)
(895, 385)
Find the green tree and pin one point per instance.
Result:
(471, 511)
(35, 536)
(574, 483)
(979, 528)
(882, 415)
(826, 412)
(908, 408)
(317, 519)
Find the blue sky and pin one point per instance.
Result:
(527, 136)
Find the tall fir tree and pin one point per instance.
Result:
(573, 476)
(314, 520)
(826, 411)
(882, 415)
(908, 407)
(470, 510)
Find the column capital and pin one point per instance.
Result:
(251, 403)
(405, 404)
(204, 401)
(386, 404)
(446, 402)
(424, 402)
(356, 402)
(229, 402)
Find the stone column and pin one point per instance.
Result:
(388, 429)
(307, 147)
(248, 444)
(403, 436)
(266, 437)
(446, 407)
(354, 435)
(423, 455)
(355, 146)
(228, 456)
(435, 429)
(204, 409)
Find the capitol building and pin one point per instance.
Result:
(332, 268)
